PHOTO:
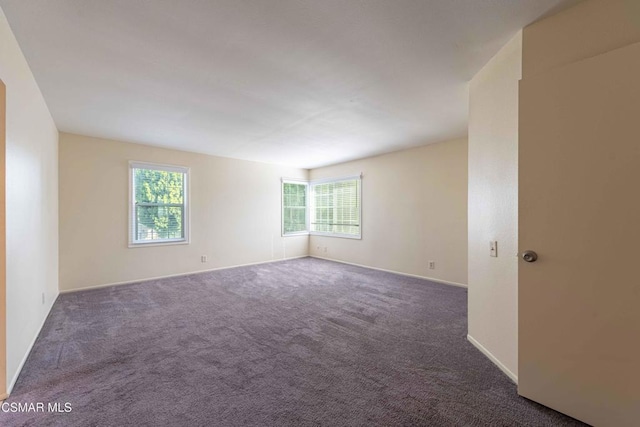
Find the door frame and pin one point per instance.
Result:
(3, 246)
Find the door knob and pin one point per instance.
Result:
(529, 256)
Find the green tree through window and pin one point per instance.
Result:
(159, 205)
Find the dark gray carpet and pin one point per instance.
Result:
(294, 343)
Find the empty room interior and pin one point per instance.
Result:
(319, 213)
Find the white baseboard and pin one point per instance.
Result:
(128, 282)
(12, 383)
(445, 282)
(494, 359)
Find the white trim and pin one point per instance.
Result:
(133, 164)
(167, 242)
(494, 359)
(147, 279)
(186, 220)
(285, 179)
(297, 233)
(444, 282)
(342, 236)
(13, 381)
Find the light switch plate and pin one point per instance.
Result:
(493, 248)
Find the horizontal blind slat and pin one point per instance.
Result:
(336, 207)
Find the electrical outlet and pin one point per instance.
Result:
(325, 249)
(432, 265)
(493, 248)
(203, 258)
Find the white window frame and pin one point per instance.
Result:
(333, 180)
(133, 243)
(300, 182)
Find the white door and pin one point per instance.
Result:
(579, 210)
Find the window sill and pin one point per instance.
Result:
(302, 233)
(158, 243)
(341, 236)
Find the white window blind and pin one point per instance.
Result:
(336, 207)
(294, 207)
(159, 212)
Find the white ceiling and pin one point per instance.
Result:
(303, 83)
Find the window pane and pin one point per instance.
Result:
(294, 207)
(159, 205)
(159, 222)
(157, 186)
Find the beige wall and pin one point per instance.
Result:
(235, 214)
(414, 209)
(493, 207)
(32, 204)
(585, 30)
